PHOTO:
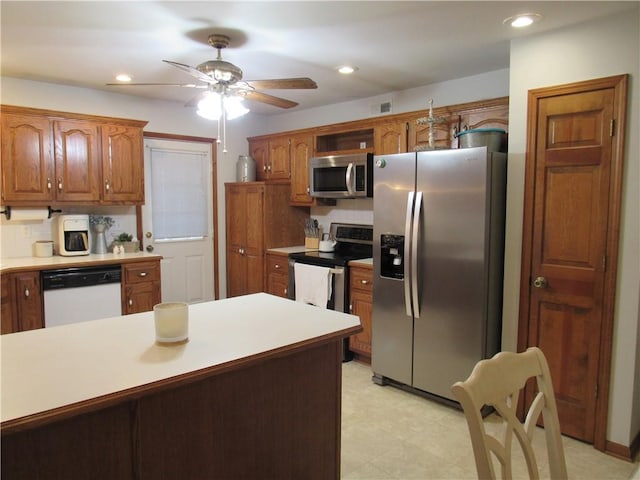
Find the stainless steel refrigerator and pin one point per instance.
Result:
(438, 264)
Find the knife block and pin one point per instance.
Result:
(310, 242)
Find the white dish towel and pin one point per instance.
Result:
(313, 284)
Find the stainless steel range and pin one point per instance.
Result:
(353, 242)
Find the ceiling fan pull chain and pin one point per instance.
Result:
(223, 112)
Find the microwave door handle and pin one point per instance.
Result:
(414, 254)
(408, 255)
(349, 179)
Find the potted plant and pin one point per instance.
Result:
(126, 240)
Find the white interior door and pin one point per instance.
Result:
(177, 217)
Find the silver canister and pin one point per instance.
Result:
(245, 169)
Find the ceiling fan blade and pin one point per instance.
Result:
(185, 85)
(283, 83)
(270, 99)
(191, 71)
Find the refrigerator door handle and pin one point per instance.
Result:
(349, 179)
(414, 255)
(407, 261)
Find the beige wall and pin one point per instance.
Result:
(592, 50)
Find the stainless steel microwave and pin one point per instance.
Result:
(341, 176)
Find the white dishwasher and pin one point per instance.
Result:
(78, 294)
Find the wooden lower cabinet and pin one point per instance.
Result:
(361, 304)
(141, 287)
(277, 274)
(258, 217)
(22, 307)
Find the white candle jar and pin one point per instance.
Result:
(171, 322)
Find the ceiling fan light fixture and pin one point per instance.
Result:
(210, 106)
(234, 107)
(124, 77)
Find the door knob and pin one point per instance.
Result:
(540, 282)
(149, 248)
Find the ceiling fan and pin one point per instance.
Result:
(225, 78)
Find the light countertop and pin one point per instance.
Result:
(57, 261)
(365, 262)
(288, 250)
(48, 369)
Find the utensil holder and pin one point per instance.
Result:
(310, 242)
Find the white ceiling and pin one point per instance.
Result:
(396, 45)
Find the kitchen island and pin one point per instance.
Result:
(254, 393)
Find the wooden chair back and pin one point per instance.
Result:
(497, 382)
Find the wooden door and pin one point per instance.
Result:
(254, 246)
(8, 321)
(279, 167)
(301, 153)
(236, 206)
(572, 203)
(122, 164)
(27, 159)
(77, 161)
(443, 132)
(259, 151)
(390, 138)
(29, 300)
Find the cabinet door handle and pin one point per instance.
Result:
(142, 274)
(285, 292)
(48, 183)
(130, 302)
(59, 184)
(107, 186)
(27, 293)
(350, 308)
(264, 168)
(364, 282)
(276, 266)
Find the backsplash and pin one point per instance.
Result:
(358, 210)
(17, 237)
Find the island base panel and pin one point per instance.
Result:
(273, 418)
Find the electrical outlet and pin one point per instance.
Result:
(26, 231)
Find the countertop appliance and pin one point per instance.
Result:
(77, 294)
(73, 235)
(341, 176)
(438, 265)
(353, 242)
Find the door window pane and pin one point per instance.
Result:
(179, 194)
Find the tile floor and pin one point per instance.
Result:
(390, 434)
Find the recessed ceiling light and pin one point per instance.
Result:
(123, 77)
(347, 69)
(522, 19)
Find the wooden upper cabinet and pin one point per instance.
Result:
(444, 131)
(122, 164)
(487, 116)
(272, 157)
(259, 151)
(390, 138)
(27, 158)
(301, 153)
(54, 157)
(77, 161)
(279, 167)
